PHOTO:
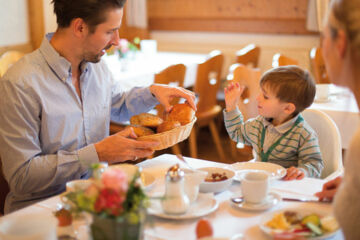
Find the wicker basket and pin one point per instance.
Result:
(171, 137)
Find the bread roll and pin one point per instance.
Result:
(141, 131)
(146, 120)
(168, 125)
(181, 112)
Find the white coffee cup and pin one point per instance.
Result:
(255, 186)
(322, 91)
(34, 226)
(148, 47)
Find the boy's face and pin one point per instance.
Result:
(105, 35)
(269, 106)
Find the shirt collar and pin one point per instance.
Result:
(57, 63)
(284, 127)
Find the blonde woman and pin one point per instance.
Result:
(341, 50)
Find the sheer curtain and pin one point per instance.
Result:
(316, 12)
(136, 13)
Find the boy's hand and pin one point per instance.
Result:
(294, 173)
(232, 95)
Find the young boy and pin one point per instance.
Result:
(279, 134)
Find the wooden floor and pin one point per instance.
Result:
(207, 149)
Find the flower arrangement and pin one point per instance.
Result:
(126, 47)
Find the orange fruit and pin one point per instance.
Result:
(203, 229)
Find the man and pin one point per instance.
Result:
(56, 105)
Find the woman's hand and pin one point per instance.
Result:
(294, 173)
(165, 94)
(232, 95)
(329, 189)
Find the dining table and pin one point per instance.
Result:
(342, 108)
(139, 69)
(227, 220)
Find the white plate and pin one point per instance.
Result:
(205, 204)
(276, 171)
(301, 212)
(271, 200)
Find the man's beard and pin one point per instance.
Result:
(95, 58)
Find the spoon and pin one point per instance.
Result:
(181, 158)
(238, 200)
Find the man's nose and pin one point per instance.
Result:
(116, 39)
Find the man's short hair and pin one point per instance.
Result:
(291, 84)
(91, 11)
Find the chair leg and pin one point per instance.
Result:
(233, 149)
(192, 142)
(216, 139)
(176, 149)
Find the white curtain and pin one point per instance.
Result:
(136, 13)
(317, 10)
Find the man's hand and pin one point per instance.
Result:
(294, 173)
(329, 189)
(232, 95)
(165, 94)
(122, 146)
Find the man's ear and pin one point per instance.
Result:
(79, 27)
(341, 43)
(289, 108)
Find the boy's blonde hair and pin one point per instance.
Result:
(290, 84)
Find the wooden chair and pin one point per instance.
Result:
(206, 86)
(173, 75)
(318, 66)
(281, 60)
(8, 59)
(248, 55)
(250, 78)
(4, 190)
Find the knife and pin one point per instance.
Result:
(238, 200)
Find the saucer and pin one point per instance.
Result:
(271, 200)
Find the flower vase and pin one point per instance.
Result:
(103, 228)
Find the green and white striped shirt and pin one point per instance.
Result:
(293, 143)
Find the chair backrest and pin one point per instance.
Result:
(4, 189)
(329, 140)
(208, 81)
(248, 55)
(318, 66)
(282, 60)
(250, 78)
(8, 59)
(172, 75)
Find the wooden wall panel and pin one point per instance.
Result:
(256, 16)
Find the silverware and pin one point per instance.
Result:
(238, 200)
(181, 158)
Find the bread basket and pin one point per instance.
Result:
(171, 137)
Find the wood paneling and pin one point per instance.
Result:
(255, 16)
(36, 22)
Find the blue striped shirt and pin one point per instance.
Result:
(47, 133)
(299, 148)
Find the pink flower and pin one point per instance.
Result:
(110, 201)
(115, 179)
(124, 45)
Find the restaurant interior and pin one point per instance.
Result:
(203, 46)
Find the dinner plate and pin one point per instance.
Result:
(302, 212)
(204, 205)
(271, 200)
(275, 171)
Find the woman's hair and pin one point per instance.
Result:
(345, 14)
(290, 84)
(91, 11)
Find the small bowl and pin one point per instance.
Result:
(217, 186)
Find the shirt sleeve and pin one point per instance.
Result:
(309, 156)
(236, 127)
(27, 168)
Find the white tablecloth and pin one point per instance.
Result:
(140, 70)
(226, 220)
(342, 108)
